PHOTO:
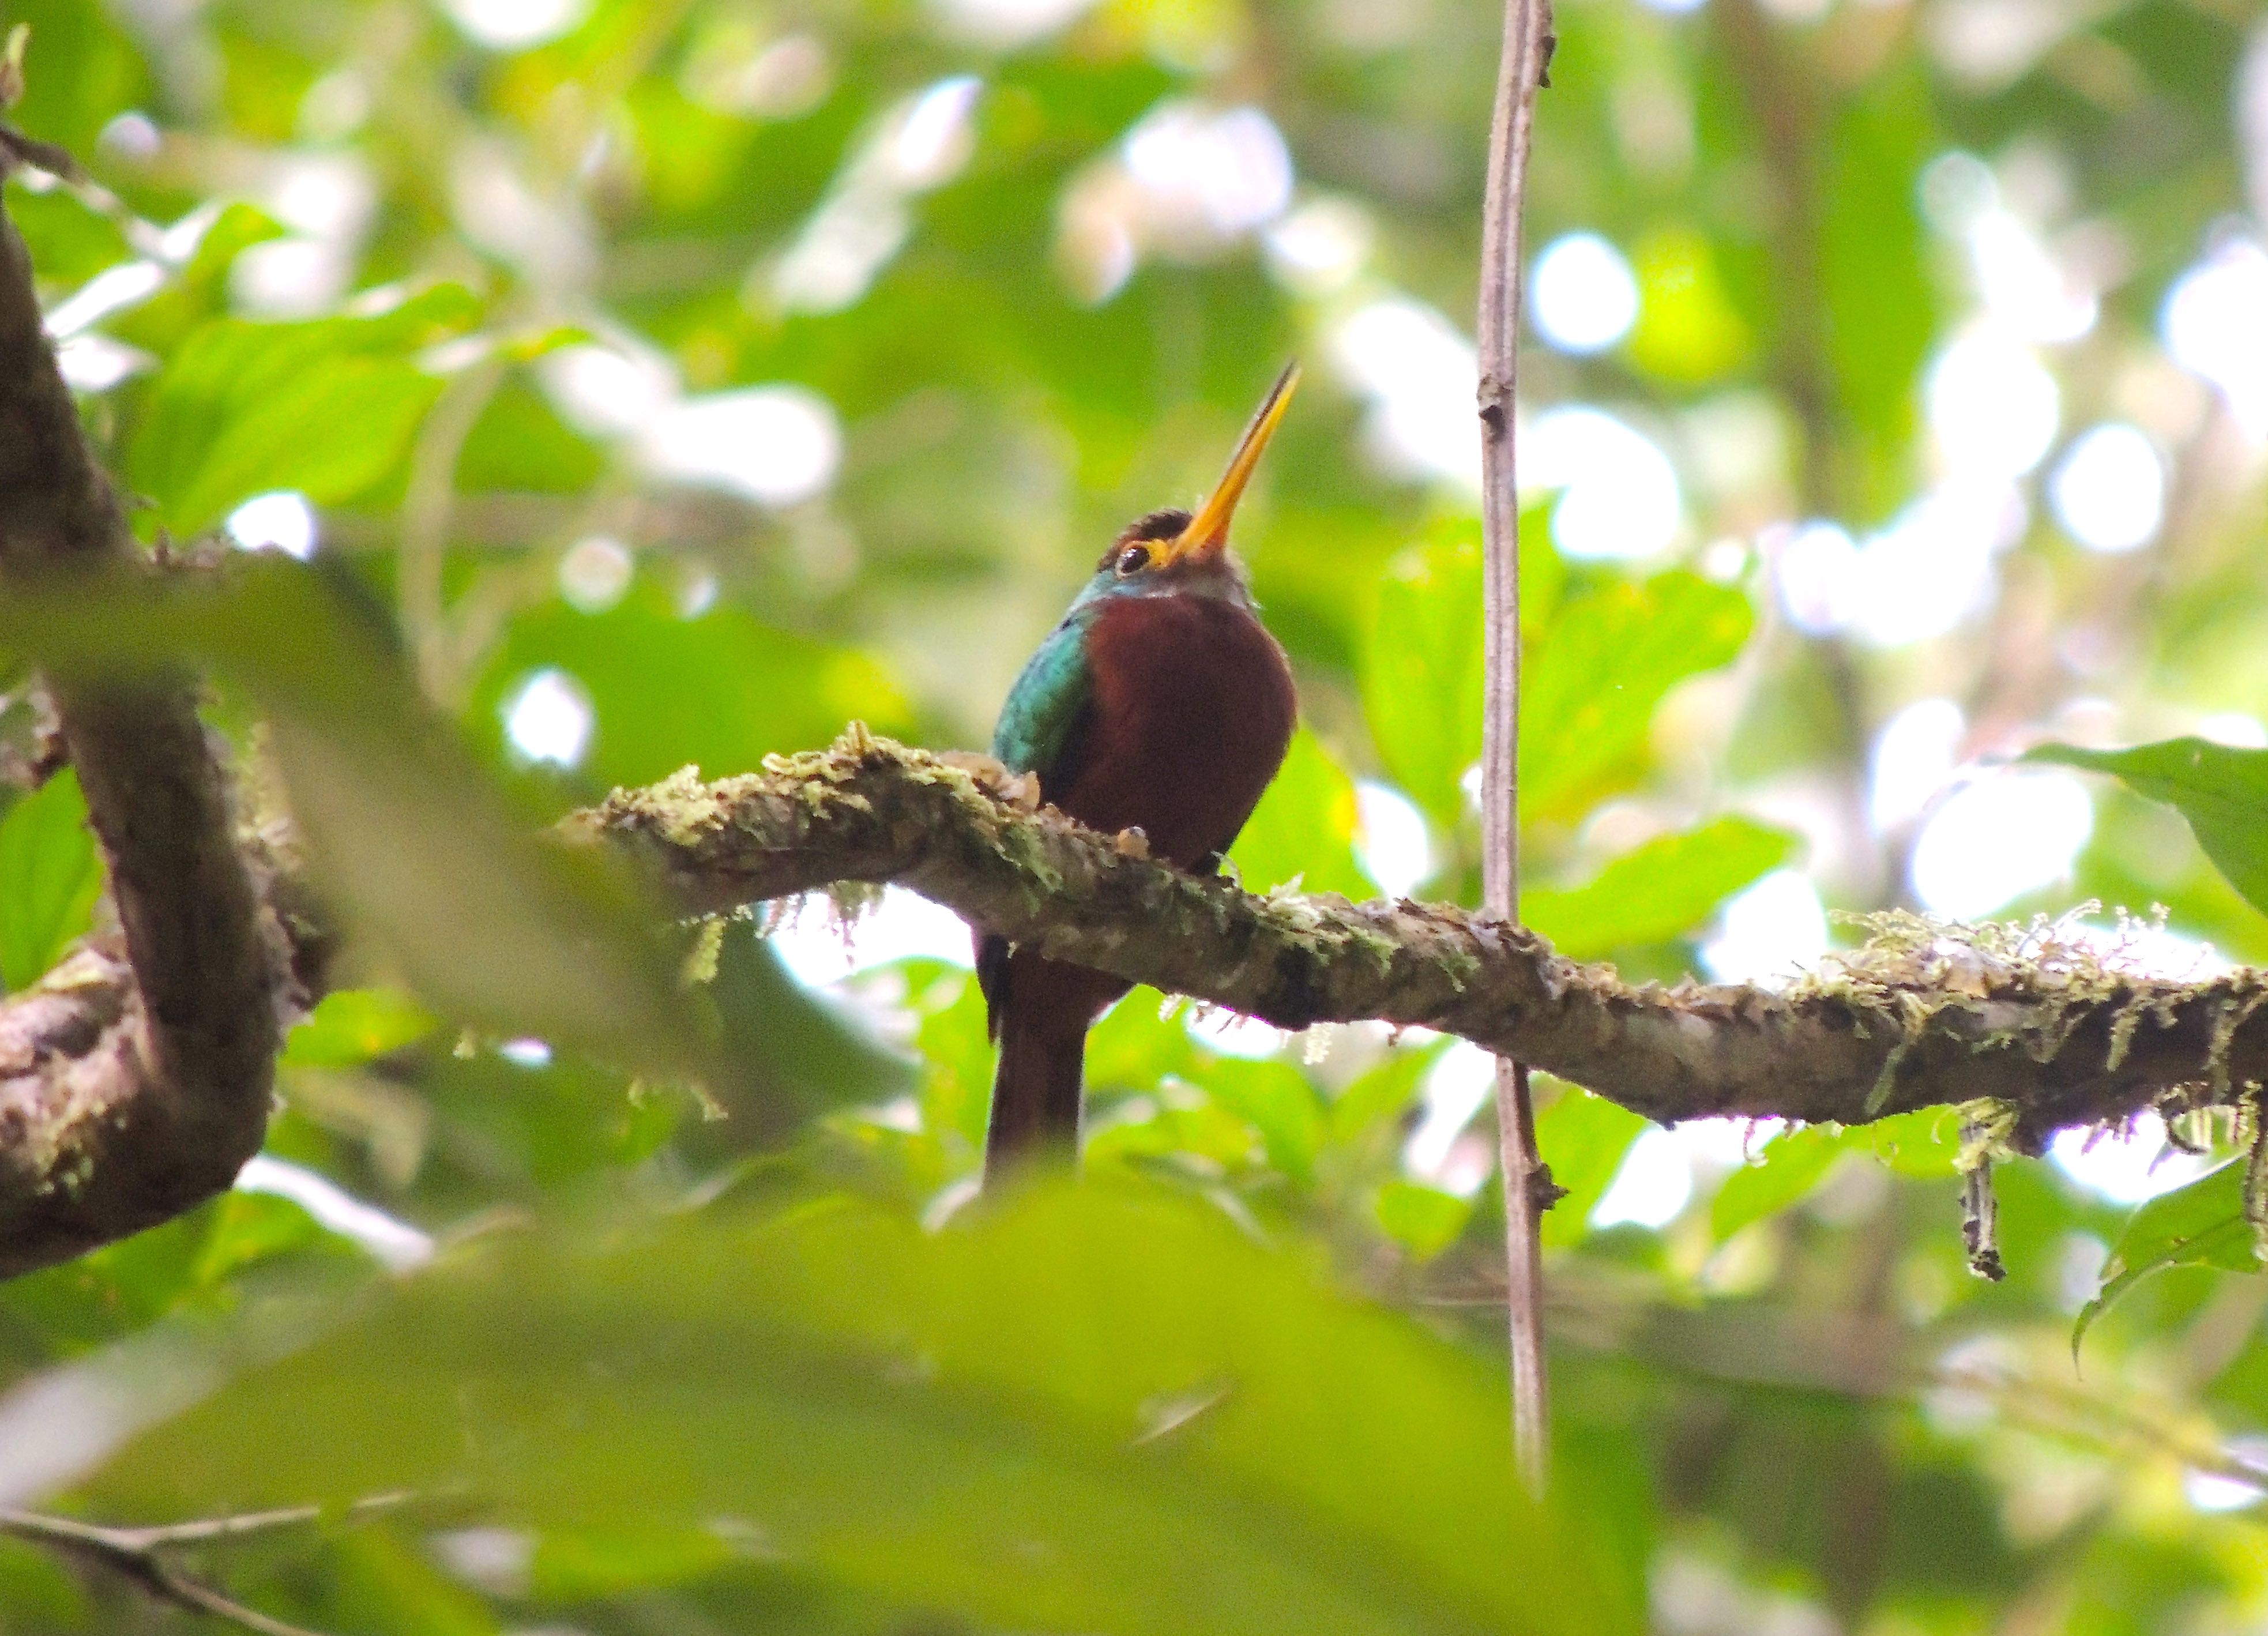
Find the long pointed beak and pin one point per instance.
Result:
(1207, 534)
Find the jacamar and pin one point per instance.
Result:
(1162, 704)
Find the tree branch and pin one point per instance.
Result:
(1926, 1015)
(130, 1089)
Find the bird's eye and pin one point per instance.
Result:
(1133, 560)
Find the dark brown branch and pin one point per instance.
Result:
(1946, 1022)
(129, 1090)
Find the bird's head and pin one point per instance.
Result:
(1178, 550)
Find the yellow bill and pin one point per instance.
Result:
(1207, 534)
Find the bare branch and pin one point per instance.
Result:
(1521, 71)
(129, 1089)
(1910, 1026)
(137, 1554)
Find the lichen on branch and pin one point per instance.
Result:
(1926, 1014)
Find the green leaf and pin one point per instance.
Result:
(1658, 890)
(1304, 827)
(1078, 1411)
(1791, 1165)
(355, 1026)
(1421, 680)
(84, 66)
(41, 1592)
(50, 876)
(70, 244)
(113, 1291)
(786, 1052)
(1924, 1143)
(1688, 330)
(1597, 672)
(1421, 661)
(2222, 791)
(244, 407)
(1583, 1137)
(267, 445)
(2202, 1224)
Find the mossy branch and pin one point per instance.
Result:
(134, 1082)
(1927, 1014)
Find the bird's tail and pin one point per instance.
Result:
(1035, 1090)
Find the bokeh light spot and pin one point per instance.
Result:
(549, 719)
(2126, 1167)
(775, 445)
(2108, 491)
(281, 521)
(1769, 933)
(515, 25)
(1652, 1187)
(1993, 840)
(1993, 406)
(1583, 295)
(594, 573)
(2216, 325)
(1391, 842)
(1914, 755)
(1620, 497)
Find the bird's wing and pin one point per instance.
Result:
(1042, 730)
(1042, 723)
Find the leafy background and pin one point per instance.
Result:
(668, 383)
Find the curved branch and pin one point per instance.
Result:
(2062, 1039)
(129, 1090)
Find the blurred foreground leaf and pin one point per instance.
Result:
(51, 876)
(1086, 1412)
(2222, 791)
(407, 837)
(2202, 1224)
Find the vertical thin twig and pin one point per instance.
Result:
(1527, 42)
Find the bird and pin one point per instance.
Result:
(1161, 704)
